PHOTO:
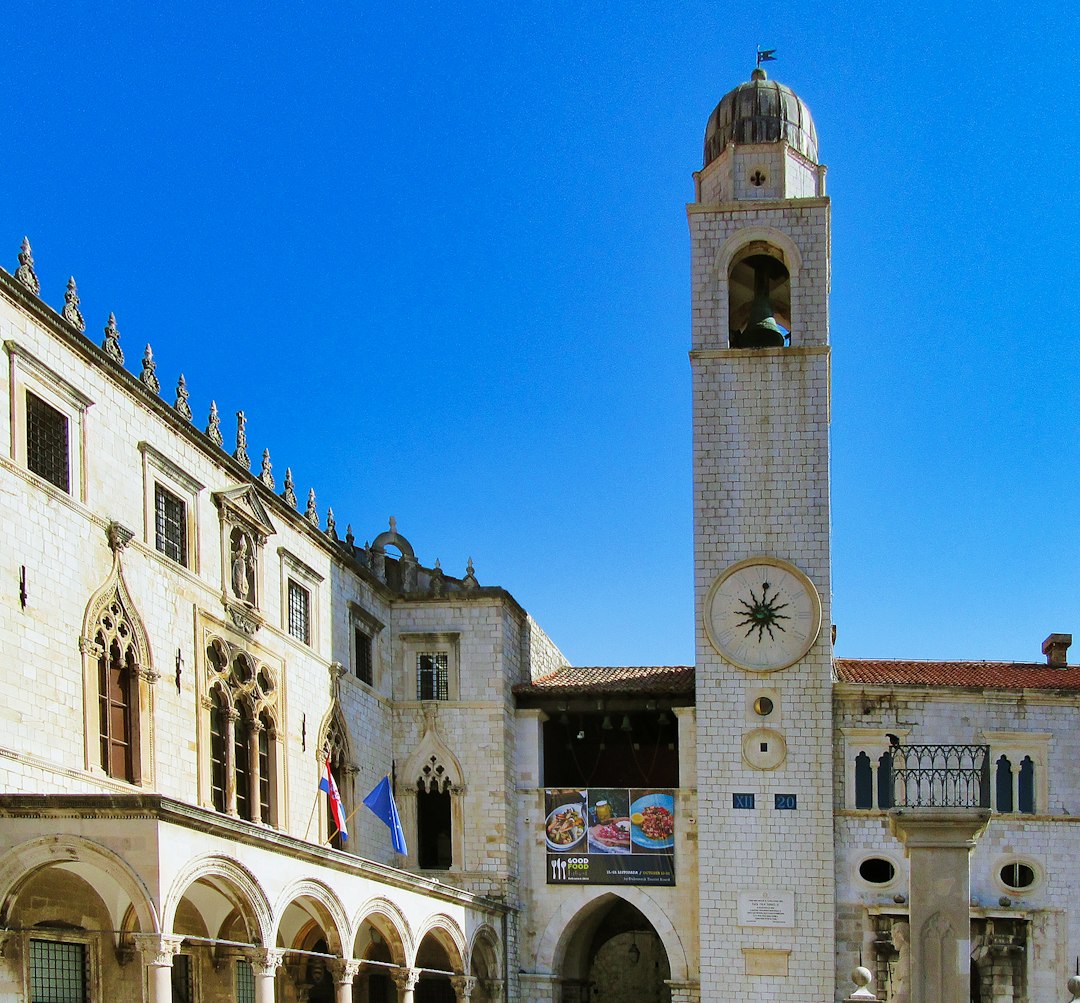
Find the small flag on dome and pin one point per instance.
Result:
(765, 56)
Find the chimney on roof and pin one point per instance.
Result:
(1056, 648)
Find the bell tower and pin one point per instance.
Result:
(759, 230)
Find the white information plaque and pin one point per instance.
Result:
(773, 909)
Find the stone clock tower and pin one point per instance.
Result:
(760, 357)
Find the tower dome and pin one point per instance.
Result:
(761, 111)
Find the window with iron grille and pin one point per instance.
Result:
(365, 665)
(57, 972)
(181, 979)
(47, 442)
(245, 982)
(431, 675)
(170, 525)
(299, 612)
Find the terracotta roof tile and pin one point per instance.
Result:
(978, 675)
(576, 680)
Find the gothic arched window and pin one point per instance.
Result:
(117, 691)
(1026, 786)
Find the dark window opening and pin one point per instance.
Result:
(217, 753)
(365, 664)
(877, 870)
(337, 771)
(47, 442)
(114, 702)
(638, 749)
(884, 782)
(245, 982)
(181, 979)
(864, 781)
(1017, 876)
(299, 612)
(264, 771)
(170, 525)
(433, 830)
(1003, 781)
(242, 766)
(57, 972)
(432, 672)
(1026, 786)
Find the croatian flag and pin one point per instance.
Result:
(337, 809)
(381, 802)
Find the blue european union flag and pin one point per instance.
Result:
(381, 802)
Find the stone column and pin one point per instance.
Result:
(406, 979)
(232, 715)
(464, 986)
(264, 964)
(158, 951)
(684, 992)
(344, 973)
(494, 989)
(938, 842)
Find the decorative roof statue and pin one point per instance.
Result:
(266, 474)
(350, 540)
(289, 494)
(25, 272)
(331, 524)
(182, 407)
(311, 513)
(149, 372)
(469, 581)
(240, 453)
(72, 314)
(438, 583)
(111, 344)
(213, 428)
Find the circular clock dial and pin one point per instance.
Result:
(762, 614)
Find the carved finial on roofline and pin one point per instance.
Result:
(25, 272)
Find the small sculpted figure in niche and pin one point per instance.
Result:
(899, 970)
(243, 568)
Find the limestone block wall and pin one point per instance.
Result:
(1047, 841)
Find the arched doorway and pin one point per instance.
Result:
(613, 953)
(432, 987)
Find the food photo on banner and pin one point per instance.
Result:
(610, 836)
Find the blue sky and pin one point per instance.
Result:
(440, 258)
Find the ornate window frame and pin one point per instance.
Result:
(158, 469)
(258, 693)
(415, 643)
(28, 373)
(111, 609)
(363, 622)
(1017, 745)
(295, 570)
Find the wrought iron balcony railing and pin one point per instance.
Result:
(941, 776)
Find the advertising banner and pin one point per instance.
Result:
(610, 836)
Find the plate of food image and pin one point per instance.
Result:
(612, 836)
(652, 819)
(565, 827)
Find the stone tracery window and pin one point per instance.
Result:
(434, 817)
(118, 678)
(243, 734)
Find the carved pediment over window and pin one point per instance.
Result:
(245, 527)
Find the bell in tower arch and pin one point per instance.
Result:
(760, 297)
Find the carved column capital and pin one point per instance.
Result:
(464, 986)
(344, 970)
(405, 979)
(158, 948)
(265, 961)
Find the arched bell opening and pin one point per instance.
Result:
(759, 297)
(613, 953)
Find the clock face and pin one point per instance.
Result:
(762, 614)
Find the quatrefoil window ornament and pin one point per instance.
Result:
(758, 178)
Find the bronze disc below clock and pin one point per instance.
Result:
(762, 614)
